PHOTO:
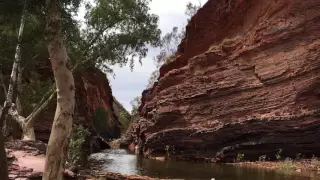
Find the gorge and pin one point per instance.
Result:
(245, 80)
(241, 91)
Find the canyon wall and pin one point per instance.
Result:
(246, 79)
(92, 92)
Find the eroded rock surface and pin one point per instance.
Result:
(92, 92)
(245, 80)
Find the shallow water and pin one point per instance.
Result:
(121, 161)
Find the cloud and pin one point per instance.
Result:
(127, 85)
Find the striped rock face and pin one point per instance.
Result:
(246, 79)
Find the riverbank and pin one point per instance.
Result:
(303, 166)
(27, 161)
(27, 158)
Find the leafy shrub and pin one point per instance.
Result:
(278, 154)
(124, 120)
(76, 155)
(262, 158)
(101, 122)
(240, 157)
(287, 165)
(33, 91)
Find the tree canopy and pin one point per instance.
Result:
(113, 32)
(117, 32)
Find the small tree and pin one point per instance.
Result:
(135, 103)
(170, 42)
(192, 9)
(76, 156)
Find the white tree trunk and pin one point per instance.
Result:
(19, 89)
(28, 132)
(13, 78)
(8, 102)
(27, 123)
(62, 124)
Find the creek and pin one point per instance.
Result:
(124, 162)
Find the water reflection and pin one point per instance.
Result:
(121, 161)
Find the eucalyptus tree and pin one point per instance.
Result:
(64, 81)
(116, 32)
(7, 33)
(14, 73)
(32, 42)
(9, 95)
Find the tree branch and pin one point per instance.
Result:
(15, 115)
(36, 112)
(52, 92)
(3, 84)
(13, 77)
(19, 89)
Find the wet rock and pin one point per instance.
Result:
(245, 80)
(115, 144)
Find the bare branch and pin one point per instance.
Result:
(36, 112)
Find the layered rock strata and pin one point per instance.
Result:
(245, 80)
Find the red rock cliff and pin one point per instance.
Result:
(246, 80)
(92, 92)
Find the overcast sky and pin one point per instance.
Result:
(127, 85)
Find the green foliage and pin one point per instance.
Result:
(278, 154)
(100, 120)
(76, 154)
(262, 158)
(192, 9)
(170, 42)
(34, 56)
(168, 48)
(240, 157)
(103, 125)
(118, 31)
(288, 165)
(33, 92)
(169, 45)
(135, 103)
(124, 120)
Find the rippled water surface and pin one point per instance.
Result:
(121, 161)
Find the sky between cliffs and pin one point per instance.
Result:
(127, 85)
